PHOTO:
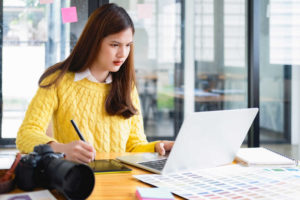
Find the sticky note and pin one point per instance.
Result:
(153, 194)
(69, 14)
(46, 1)
(144, 11)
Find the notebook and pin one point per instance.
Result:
(206, 139)
(262, 156)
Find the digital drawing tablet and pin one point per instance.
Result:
(108, 166)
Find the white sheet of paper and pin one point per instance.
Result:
(6, 161)
(37, 195)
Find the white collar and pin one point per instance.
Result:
(87, 74)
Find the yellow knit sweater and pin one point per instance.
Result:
(84, 102)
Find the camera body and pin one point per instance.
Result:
(32, 170)
(44, 168)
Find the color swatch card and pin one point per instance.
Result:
(231, 182)
(143, 193)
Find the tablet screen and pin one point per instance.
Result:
(108, 166)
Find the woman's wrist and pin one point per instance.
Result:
(156, 146)
(57, 147)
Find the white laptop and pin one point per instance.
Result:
(205, 139)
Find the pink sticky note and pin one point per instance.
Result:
(69, 15)
(46, 1)
(144, 11)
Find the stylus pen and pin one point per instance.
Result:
(77, 130)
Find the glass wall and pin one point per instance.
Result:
(189, 56)
(279, 74)
(220, 54)
(157, 49)
(34, 38)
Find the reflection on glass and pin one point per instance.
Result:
(279, 76)
(33, 39)
(284, 31)
(279, 51)
(157, 42)
(221, 79)
(204, 30)
(234, 33)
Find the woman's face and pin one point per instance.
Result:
(114, 51)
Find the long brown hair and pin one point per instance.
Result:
(106, 20)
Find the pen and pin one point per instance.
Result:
(77, 130)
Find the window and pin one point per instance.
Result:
(34, 38)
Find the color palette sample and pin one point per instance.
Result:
(153, 194)
(231, 182)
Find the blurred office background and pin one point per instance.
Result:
(197, 55)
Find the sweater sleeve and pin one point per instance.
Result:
(137, 141)
(32, 131)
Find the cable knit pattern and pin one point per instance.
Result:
(84, 102)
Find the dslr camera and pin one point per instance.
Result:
(44, 168)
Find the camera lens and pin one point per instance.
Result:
(74, 180)
(79, 182)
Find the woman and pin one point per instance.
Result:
(94, 86)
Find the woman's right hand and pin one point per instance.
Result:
(77, 151)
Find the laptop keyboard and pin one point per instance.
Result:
(155, 164)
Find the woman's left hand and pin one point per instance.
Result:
(163, 146)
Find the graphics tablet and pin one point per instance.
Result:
(108, 166)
